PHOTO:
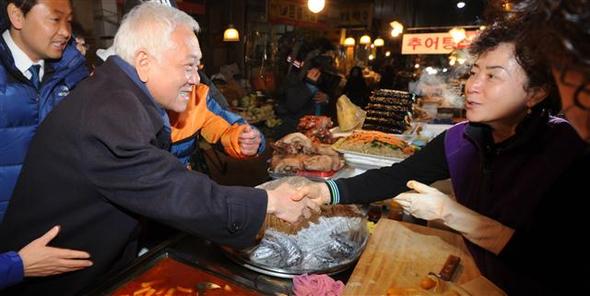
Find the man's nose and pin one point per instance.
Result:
(65, 29)
(194, 78)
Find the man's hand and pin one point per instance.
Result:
(288, 204)
(318, 192)
(41, 260)
(249, 141)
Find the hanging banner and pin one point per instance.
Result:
(294, 13)
(434, 43)
(354, 15)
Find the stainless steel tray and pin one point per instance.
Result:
(330, 246)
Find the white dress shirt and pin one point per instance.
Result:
(21, 59)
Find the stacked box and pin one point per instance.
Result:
(389, 111)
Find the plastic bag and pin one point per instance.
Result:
(350, 116)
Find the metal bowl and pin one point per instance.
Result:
(327, 247)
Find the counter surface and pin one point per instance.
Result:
(400, 254)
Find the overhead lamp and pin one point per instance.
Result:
(349, 41)
(387, 53)
(396, 28)
(365, 39)
(460, 4)
(316, 6)
(378, 42)
(458, 34)
(231, 34)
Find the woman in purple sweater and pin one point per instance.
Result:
(508, 164)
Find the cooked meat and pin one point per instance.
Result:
(318, 163)
(286, 164)
(337, 162)
(314, 122)
(294, 143)
(324, 149)
(317, 128)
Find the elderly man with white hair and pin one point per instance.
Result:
(100, 161)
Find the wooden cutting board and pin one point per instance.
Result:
(400, 254)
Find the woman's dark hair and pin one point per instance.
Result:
(527, 55)
(564, 26)
(24, 5)
(567, 27)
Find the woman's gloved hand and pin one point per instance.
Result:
(430, 204)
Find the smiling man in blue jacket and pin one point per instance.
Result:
(39, 65)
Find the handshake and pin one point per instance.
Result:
(294, 197)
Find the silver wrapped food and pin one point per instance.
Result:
(328, 244)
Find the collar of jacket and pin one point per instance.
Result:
(526, 133)
(130, 71)
(56, 69)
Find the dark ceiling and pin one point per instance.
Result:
(427, 13)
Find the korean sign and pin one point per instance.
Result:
(292, 12)
(434, 43)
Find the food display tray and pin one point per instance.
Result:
(367, 161)
(119, 282)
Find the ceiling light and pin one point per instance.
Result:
(231, 34)
(396, 28)
(349, 41)
(458, 34)
(460, 4)
(365, 39)
(316, 6)
(379, 42)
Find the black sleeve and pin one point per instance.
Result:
(297, 95)
(427, 166)
(126, 167)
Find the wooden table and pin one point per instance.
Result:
(400, 254)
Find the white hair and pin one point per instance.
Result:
(149, 26)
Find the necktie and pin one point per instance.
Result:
(34, 69)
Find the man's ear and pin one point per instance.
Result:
(538, 95)
(143, 65)
(16, 16)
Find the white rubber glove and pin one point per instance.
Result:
(430, 204)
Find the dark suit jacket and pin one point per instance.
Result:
(95, 165)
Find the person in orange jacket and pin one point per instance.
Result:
(206, 118)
